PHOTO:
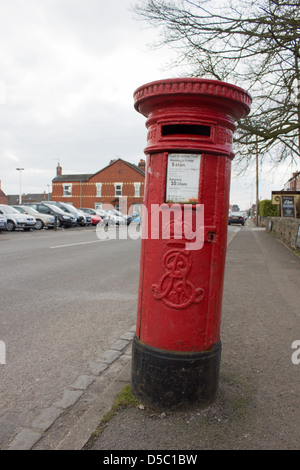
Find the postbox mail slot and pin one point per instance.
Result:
(186, 129)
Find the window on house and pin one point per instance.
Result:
(98, 205)
(98, 189)
(67, 189)
(137, 187)
(118, 189)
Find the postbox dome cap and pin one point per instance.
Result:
(192, 92)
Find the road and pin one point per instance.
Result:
(66, 296)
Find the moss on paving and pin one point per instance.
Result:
(123, 399)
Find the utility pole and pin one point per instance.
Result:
(257, 183)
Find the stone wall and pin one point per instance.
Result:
(285, 229)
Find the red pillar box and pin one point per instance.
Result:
(177, 347)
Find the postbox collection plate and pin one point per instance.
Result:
(183, 174)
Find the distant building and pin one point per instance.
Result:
(13, 199)
(103, 189)
(3, 197)
(293, 184)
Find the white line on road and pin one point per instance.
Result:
(80, 243)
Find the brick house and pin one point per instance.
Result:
(103, 189)
(293, 184)
(3, 197)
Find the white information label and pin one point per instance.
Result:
(183, 178)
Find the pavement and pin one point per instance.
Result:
(257, 406)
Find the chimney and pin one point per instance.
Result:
(58, 170)
(142, 164)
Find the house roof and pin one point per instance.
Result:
(86, 177)
(131, 165)
(135, 167)
(288, 193)
(78, 177)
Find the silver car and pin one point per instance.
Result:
(42, 220)
(16, 220)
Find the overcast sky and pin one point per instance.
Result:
(68, 70)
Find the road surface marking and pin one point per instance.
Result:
(80, 243)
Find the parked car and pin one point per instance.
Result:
(127, 218)
(2, 222)
(16, 220)
(87, 218)
(108, 219)
(42, 220)
(62, 218)
(95, 219)
(236, 218)
(105, 219)
(69, 209)
(117, 219)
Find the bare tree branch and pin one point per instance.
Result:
(252, 43)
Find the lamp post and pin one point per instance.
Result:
(20, 195)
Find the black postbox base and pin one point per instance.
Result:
(168, 380)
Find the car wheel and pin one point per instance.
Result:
(10, 226)
(39, 225)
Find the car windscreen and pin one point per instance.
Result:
(9, 210)
(57, 210)
(31, 210)
(20, 209)
(70, 208)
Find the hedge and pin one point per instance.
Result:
(267, 209)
